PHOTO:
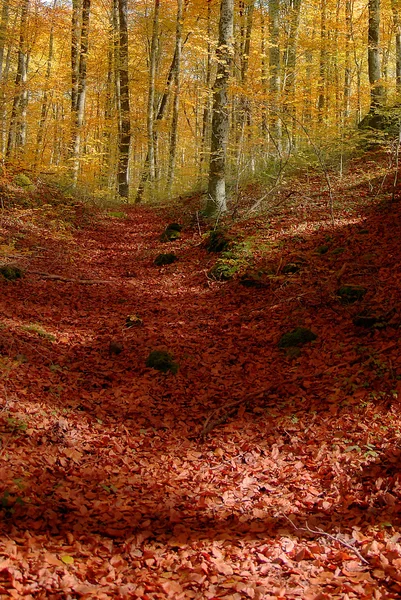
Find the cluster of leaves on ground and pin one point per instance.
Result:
(252, 469)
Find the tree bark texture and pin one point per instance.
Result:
(216, 200)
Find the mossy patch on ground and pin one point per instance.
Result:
(165, 259)
(11, 272)
(163, 361)
(218, 241)
(171, 233)
(351, 293)
(297, 337)
(224, 269)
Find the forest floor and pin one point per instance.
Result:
(255, 471)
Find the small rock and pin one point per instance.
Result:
(298, 337)
(165, 259)
(115, 348)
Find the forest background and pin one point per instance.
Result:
(116, 97)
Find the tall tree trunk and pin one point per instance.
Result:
(245, 46)
(263, 70)
(151, 93)
(290, 59)
(208, 80)
(45, 98)
(176, 101)
(17, 126)
(216, 200)
(79, 108)
(376, 89)
(3, 72)
(124, 140)
(347, 50)
(322, 101)
(395, 6)
(275, 73)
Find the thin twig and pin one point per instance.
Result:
(320, 531)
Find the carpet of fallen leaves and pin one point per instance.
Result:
(109, 487)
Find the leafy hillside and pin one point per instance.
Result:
(258, 466)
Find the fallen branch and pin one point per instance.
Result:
(319, 531)
(70, 279)
(229, 410)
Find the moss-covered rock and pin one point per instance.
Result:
(11, 272)
(218, 241)
(163, 361)
(171, 233)
(322, 249)
(252, 279)
(297, 337)
(351, 293)
(291, 268)
(21, 180)
(224, 270)
(133, 321)
(165, 259)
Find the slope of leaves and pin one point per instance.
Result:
(253, 472)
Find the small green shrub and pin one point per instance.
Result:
(11, 272)
(224, 269)
(298, 337)
(163, 361)
(23, 181)
(165, 259)
(350, 294)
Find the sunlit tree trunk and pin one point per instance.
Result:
(243, 115)
(347, 51)
(124, 138)
(176, 100)
(396, 7)
(376, 89)
(263, 70)
(3, 71)
(275, 73)
(78, 109)
(16, 134)
(151, 93)
(45, 100)
(321, 103)
(207, 106)
(290, 60)
(216, 199)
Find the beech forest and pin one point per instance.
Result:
(200, 299)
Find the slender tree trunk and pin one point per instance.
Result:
(263, 70)
(376, 89)
(3, 72)
(347, 50)
(207, 106)
(16, 130)
(45, 99)
(275, 73)
(395, 6)
(216, 200)
(176, 101)
(124, 140)
(79, 108)
(243, 116)
(321, 103)
(151, 93)
(290, 60)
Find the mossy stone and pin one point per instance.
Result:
(171, 233)
(11, 273)
(133, 321)
(23, 181)
(337, 251)
(218, 241)
(252, 279)
(163, 361)
(291, 268)
(224, 270)
(165, 259)
(297, 337)
(322, 249)
(351, 293)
